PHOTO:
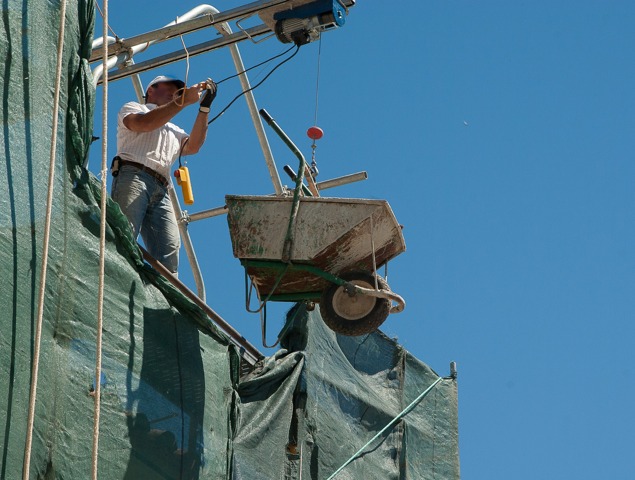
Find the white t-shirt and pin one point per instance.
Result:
(156, 149)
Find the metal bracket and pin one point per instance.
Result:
(246, 32)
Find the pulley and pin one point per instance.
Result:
(303, 24)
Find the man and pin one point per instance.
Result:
(147, 145)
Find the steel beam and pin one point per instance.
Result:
(189, 26)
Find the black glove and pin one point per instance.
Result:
(209, 95)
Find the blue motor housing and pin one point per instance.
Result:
(304, 24)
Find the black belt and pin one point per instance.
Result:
(148, 170)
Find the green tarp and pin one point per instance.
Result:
(323, 396)
(167, 391)
(173, 403)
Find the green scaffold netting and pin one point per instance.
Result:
(173, 404)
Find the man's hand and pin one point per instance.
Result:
(209, 94)
(189, 95)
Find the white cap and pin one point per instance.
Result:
(166, 79)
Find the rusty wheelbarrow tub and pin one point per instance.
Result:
(327, 253)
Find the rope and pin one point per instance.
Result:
(317, 82)
(187, 74)
(187, 59)
(405, 412)
(314, 170)
(372, 249)
(273, 290)
(45, 248)
(102, 250)
(104, 17)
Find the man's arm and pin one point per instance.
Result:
(197, 137)
(156, 118)
(194, 143)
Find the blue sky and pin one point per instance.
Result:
(502, 134)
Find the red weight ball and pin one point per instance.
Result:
(315, 133)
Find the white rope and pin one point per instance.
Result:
(187, 68)
(372, 250)
(102, 247)
(45, 248)
(317, 85)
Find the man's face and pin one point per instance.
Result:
(161, 93)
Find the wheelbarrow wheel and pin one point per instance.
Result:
(354, 314)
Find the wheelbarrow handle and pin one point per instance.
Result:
(283, 136)
(303, 169)
(266, 116)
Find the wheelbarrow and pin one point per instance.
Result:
(317, 249)
(337, 245)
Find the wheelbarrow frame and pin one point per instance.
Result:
(283, 268)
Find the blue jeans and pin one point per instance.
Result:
(146, 203)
